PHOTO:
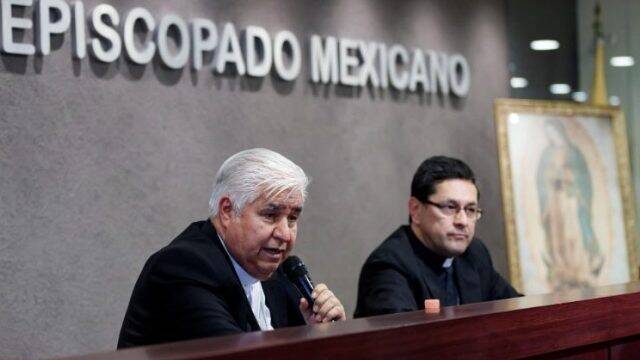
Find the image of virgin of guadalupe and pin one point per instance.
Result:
(573, 257)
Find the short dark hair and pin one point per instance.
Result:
(436, 169)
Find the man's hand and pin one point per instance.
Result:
(326, 306)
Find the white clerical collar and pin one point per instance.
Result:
(245, 279)
(447, 262)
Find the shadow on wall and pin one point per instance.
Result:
(398, 96)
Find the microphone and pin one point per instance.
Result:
(297, 273)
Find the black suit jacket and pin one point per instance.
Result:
(189, 290)
(396, 279)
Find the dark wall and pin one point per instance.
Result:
(543, 19)
(101, 165)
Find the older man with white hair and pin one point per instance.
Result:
(221, 275)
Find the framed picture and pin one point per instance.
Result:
(567, 197)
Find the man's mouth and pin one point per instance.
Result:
(458, 236)
(273, 253)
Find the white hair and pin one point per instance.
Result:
(245, 176)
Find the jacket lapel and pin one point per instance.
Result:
(239, 304)
(468, 281)
(432, 282)
(428, 277)
(244, 311)
(278, 315)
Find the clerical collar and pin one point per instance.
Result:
(245, 279)
(432, 259)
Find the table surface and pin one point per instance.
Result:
(543, 323)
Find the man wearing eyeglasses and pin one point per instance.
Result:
(436, 255)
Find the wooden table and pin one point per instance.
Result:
(600, 323)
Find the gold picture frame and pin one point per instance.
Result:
(567, 195)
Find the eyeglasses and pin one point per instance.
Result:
(452, 209)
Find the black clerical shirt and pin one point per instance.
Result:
(441, 266)
(401, 273)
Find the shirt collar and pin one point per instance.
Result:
(245, 279)
(433, 260)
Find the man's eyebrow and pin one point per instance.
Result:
(454, 201)
(280, 207)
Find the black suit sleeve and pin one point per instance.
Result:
(383, 290)
(193, 303)
(195, 312)
(173, 302)
(500, 288)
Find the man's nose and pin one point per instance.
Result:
(460, 218)
(282, 231)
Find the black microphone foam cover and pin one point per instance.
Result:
(297, 273)
(293, 267)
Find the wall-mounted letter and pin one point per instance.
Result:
(109, 34)
(78, 32)
(349, 62)
(145, 55)
(324, 60)
(439, 71)
(204, 37)
(46, 27)
(398, 56)
(256, 39)
(279, 42)
(179, 59)
(7, 42)
(229, 50)
(459, 75)
(418, 72)
(368, 71)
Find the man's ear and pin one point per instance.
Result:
(415, 206)
(225, 210)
